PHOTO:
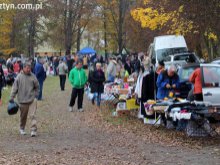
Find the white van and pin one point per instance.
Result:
(164, 46)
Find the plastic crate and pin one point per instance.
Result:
(131, 104)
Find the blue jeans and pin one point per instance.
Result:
(40, 90)
(111, 78)
(97, 97)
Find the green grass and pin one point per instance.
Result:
(114, 120)
(50, 85)
(10, 124)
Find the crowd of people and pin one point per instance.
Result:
(159, 83)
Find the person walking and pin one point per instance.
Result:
(78, 79)
(2, 82)
(69, 63)
(26, 88)
(97, 79)
(62, 70)
(41, 75)
(111, 70)
(16, 67)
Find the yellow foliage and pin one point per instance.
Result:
(8, 51)
(181, 8)
(155, 19)
(211, 36)
(150, 18)
(146, 1)
(5, 27)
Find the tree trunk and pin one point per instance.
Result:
(105, 35)
(68, 24)
(120, 27)
(78, 39)
(32, 32)
(13, 34)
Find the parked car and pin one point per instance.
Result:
(211, 90)
(189, 57)
(181, 59)
(184, 73)
(211, 83)
(216, 61)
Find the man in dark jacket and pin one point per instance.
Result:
(40, 74)
(97, 78)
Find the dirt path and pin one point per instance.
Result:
(73, 138)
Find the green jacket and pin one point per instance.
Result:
(77, 78)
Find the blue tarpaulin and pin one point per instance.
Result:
(87, 50)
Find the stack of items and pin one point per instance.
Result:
(151, 110)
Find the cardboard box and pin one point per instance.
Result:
(122, 109)
(123, 91)
(124, 112)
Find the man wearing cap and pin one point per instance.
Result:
(26, 87)
(78, 79)
(167, 82)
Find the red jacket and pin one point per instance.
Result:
(195, 78)
(16, 67)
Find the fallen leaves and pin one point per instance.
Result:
(94, 137)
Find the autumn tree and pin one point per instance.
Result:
(197, 20)
(67, 21)
(6, 21)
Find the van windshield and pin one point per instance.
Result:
(164, 54)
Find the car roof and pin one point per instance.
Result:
(216, 59)
(198, 65)
(210, 64)
(189, 65)
(216, 62)
(169, 41)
